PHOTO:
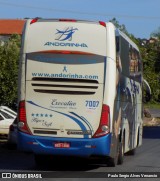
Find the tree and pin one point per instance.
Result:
(156, 33)
(151, 57)
(9, 56)
(120, 27)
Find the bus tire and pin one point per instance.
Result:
(121, 153)
(111, 162)
(132, 152)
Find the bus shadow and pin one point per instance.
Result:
(152, 132)
(69, 164)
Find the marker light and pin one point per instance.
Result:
(68, 20)
(34, 21)
(102, 23)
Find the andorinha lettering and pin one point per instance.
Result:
(66, 44)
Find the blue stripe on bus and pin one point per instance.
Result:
(84, 120)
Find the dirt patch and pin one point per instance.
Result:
(151, 121)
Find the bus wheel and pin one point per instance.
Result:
(132, 152)
(121, 151)
(111, 162)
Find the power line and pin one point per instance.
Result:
(78, 12)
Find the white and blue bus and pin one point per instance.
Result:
(80, 90)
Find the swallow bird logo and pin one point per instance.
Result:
(65, 69)
(65, 34)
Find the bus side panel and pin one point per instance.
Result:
(128, 109)
(111, 84)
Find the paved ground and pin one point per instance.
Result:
(146, 160)
(155, 113)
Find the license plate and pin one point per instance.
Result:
(62, 145)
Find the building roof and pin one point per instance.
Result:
(11, 26)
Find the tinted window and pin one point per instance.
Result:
(1, 118)
(124, 56)
(135, 62)
(129, 59)
(7, 116)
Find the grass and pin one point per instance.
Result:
(152, 105)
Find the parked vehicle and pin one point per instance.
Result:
(12, 136)
(5, 121)
(9, 111)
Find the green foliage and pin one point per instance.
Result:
(151, 56)
(156, 33)
(9, 56)
(120, 27)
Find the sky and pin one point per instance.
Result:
(141, 17)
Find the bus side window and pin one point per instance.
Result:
(117, 44)
(124, 55)
(135, 63)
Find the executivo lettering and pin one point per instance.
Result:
(67, 103)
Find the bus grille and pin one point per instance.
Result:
(64, 80)
(65, 86)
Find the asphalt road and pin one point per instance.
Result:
(147, 159)
(155, 112)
